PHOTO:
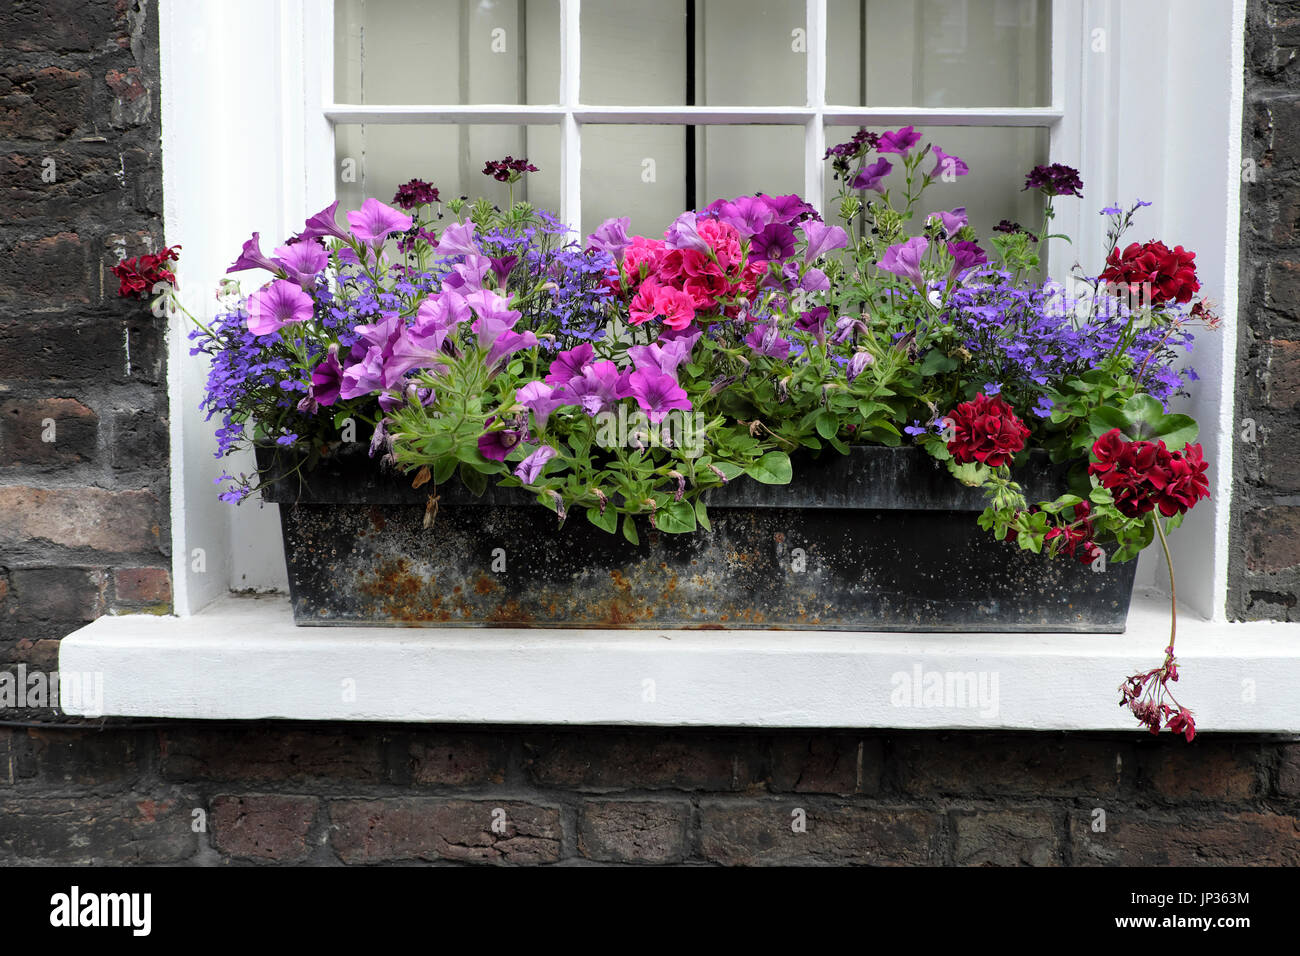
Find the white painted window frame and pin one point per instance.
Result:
(248, 123)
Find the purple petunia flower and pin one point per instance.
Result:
(954, 222)
(898, 141)
(945, 165)
(775, 243)
(766, 340)
(661, 358)
(905, 258)
(682, 234)
(748, 215)
(323, 224)
(599, 386)
(497, 444)
(872, 176)
(611, 237)
(543, 399)
(657, 393)
(374, 222)
(570, 364)
(530, 469)
(822, 239)
(327, 378)
(458, 240)
(965, 255)
(252, 258)
(365, 376)
(274, 306)
(858, 363)
(301, 262)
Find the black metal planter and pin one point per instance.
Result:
(879, 540)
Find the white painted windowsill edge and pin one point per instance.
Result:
(242, 658)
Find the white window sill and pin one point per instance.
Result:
(242, 658)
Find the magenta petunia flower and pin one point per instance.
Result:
(661, 358)
(657, 393)
(327, 378)
(788, 209)
(872, 176)
(945, 165)
(748, 215)
(302, 261)
(251, 257)
(530, 469)
(965, 255)
(570, 364)
(599, 387)
(507, 343)
(898, 141)
(413, 350)
(374, 222)
(905, 258)
(324, 223)
(440, 312)
(364, 376)
(274, 306)
(497, 444)
(766, 340)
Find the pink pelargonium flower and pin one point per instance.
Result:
(374, 222)
(676, 307)
(274, 306)
(905, 258)
(657, 393)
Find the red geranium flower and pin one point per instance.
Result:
(138, 276)
(986, 430)
(1143, 476)
(1171, 273)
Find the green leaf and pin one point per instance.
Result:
(677, 518)
(1176, 431)
(444, 468)
(605, 522)
(772, 469)
(629, 529)
(474, 480)
(973, 474)
(702, 514)
(827, 426)
(936, 363)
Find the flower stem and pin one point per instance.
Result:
(1173, 590)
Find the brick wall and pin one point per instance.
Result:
(1265, 564)
(281, 793)
(84, 529)
(83, 403)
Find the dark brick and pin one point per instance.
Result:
(460, 760)
(142, 585)
(95, 346)
(826, 764)
(56, 26)
(132, 103)
(263, 826)
(655, 761)
(51, 431)
(137, 439)
(58, 268)
(747, 832)
(633, 831)
(1135, 839)
(1283, 372)
(391, 830)
(1029, 765)
(89, 518)
(62, 595)
(1006, 838)
(129, 829)
(1207, 769)
(42, 104)
(267, 754)
(1279, 463)
(1288, 774)
(1272, 538)
(70, 757)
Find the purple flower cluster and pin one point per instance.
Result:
(414, 194)
(1030, 338)
(1055, 180)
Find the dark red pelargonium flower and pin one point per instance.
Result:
(1143, 476)
(138, 276)
(1055, 180)
(508, 170)
(415, 193)
(1170, 272)
(987, 431)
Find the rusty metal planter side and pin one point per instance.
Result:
(878, 540)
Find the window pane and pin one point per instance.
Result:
(939, 53)
(448, 52)
(746, 53)
(998, 157)
(641, 171)
(373, 160)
